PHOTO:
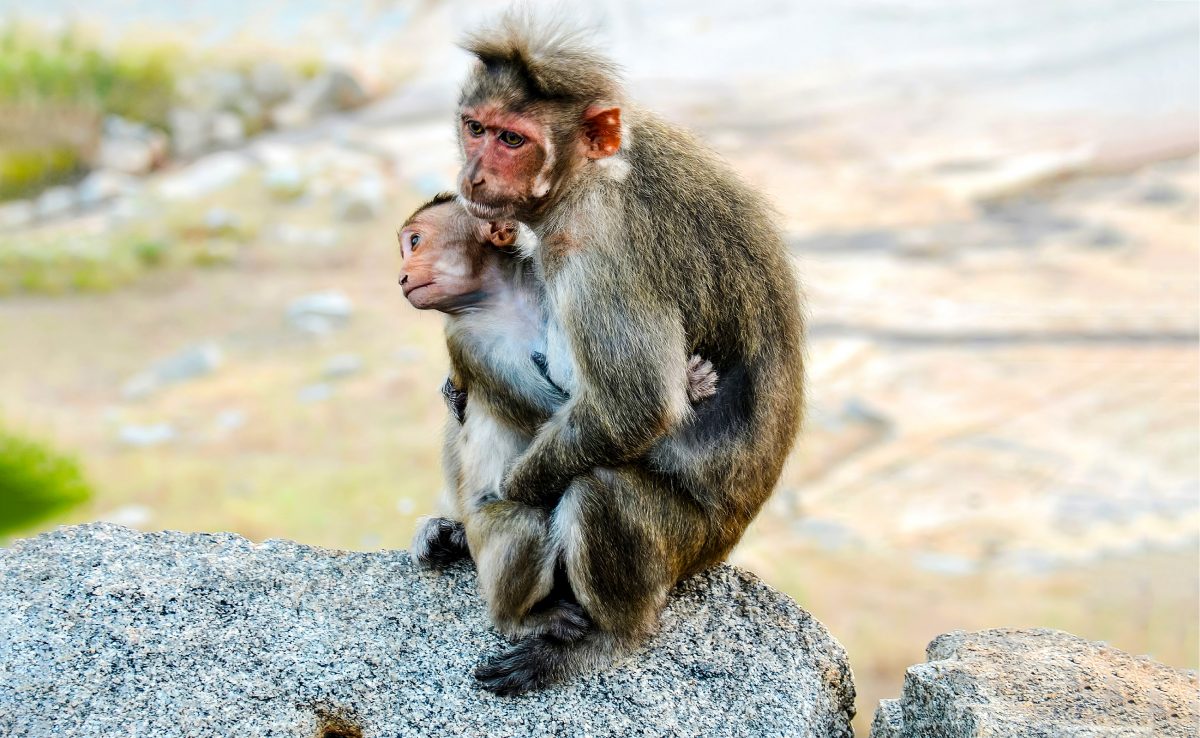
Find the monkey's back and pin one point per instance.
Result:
(718, 255)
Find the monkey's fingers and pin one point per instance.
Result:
(702, 379)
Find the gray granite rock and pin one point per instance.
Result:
(1037, 684)
(105, 631)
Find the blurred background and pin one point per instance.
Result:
(993, 205)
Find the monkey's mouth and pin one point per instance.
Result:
(411, 288)
(486, 212)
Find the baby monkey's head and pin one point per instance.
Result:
(450, 256)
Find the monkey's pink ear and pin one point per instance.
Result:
(601, 131)
(501, 234)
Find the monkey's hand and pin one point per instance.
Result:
(702, 379)
(456, 400)
(527, 492)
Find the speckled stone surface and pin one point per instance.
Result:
(105, 631)
(1037, 683)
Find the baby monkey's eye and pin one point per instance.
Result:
(413, 240)
(474, 127)
(511, 139)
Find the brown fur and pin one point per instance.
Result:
(494, 324)
(669, 255)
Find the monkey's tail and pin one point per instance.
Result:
(542, 660)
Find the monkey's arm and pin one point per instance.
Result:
(631, 363)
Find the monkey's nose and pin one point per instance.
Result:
(477, 182)
(403, 279)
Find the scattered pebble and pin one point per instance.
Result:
(342, 365)
(363, 201)
(320, 313)
(193, 362)
(318, 392)
(145, 436)
(56, 202)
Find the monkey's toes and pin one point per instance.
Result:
(567, 622)
(523, 668)
(439, 542)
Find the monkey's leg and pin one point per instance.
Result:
(439, 542)
(624, 537)
(509, 542)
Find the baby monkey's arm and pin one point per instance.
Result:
(701, 376)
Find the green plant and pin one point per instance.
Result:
(42, 70)
(26, 171)
(36, 482)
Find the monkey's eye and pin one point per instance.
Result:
(474, 127)
(511, 139)
(414, 240)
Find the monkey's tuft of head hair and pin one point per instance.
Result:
(440, 198)
(549, 55)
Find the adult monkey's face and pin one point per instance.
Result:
(514, 161)
(507, 161)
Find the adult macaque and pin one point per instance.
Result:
(651, 250)
(499, 394)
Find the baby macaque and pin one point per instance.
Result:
(499, 392)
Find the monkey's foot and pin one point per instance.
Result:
(564, 621)
(525, 667)
(439, 542)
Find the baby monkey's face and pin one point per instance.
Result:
(446, 254)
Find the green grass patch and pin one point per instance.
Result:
(36, 482)
(25, 171)
(65, 69)
(55, 91)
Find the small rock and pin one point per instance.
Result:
(1161, 193)
(826, 534)
(191, 363)
(1010, 683)
(144, 436)
(318, 392)
(342, 365)
(194, 362)
(321, 312)
(272, 82)
(56, 202)
(103, 185)
(220, 222)
(191, 132)
(1106, 237)
(203, 176)
(362, 201)
(947, 564)
(228, 129)
(229, 420)
(328, 92)
(284, 182)
(17, 214)
(131, 148)
(294, 235)
(408, 355)
(213, 90)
